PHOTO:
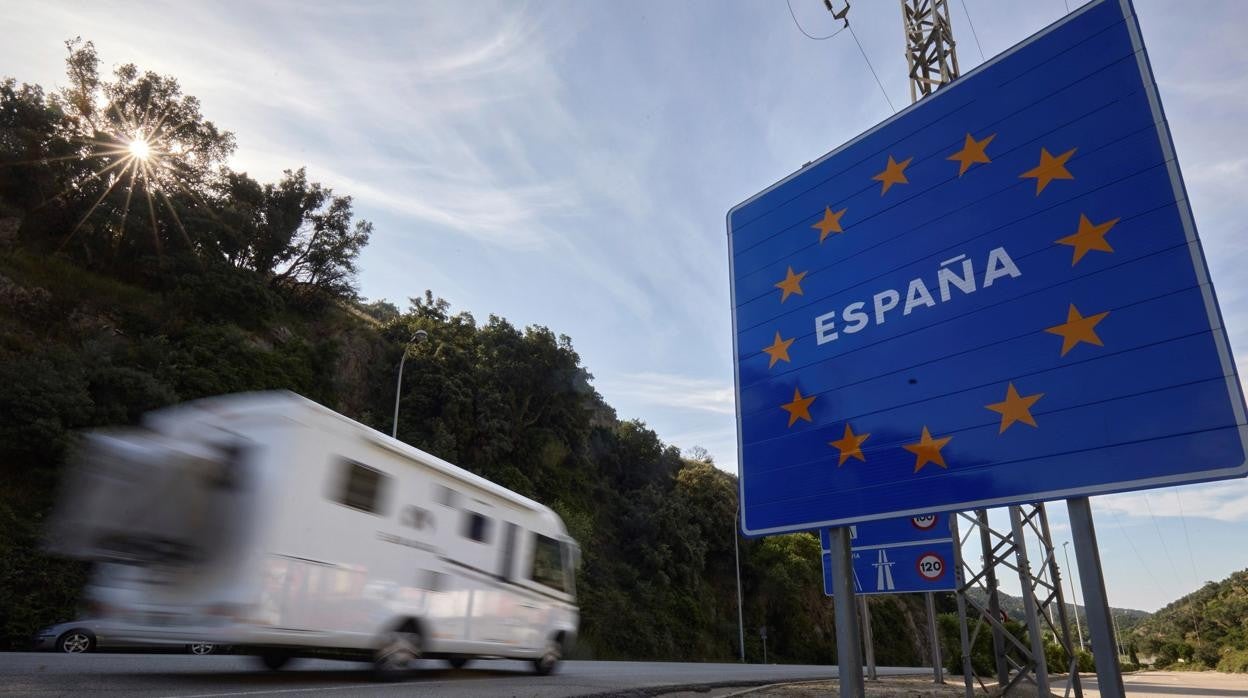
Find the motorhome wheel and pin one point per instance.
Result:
(397, 656)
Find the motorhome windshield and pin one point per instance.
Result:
(139, 498)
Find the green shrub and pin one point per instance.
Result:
(1056, 658)
(1086, 663)
(1234, 662)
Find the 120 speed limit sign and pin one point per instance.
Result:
(931, 566)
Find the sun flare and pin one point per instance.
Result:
(140, 148)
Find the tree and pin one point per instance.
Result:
(142, 151)
(126, 175)
(296, 233)
(382, 310)
(700, 454)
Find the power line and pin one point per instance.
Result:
(1138, 556)
(806, 33)
(868, 60)
(973, 33)
(1187, 539)
(1165, 548)
(1190, 557)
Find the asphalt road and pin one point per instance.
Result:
(51, 674)
(1172, 684)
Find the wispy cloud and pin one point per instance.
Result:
(674, 391)
(1220, 501)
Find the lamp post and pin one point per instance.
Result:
(736, 543)
(1071, 580)
(417, 336)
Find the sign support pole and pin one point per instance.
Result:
(937, 665)
(1055, 575)
(1029, 601)
(959, 569)
(848, 651)
(868, 640)
(1095, 601)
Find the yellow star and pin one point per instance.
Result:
(850, 446)
(927, 450)
(831, 222)
(1089, 237)
(791, 284)
(799, 408)
(779, 350)
(1015, 408)
(971, 153)
(1078, 328)
(894, 173)
(1049, 169)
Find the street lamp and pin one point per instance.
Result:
(417, 337)
(736, 543)
(1071, 580)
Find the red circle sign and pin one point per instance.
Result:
(924, 523)
(931, 566)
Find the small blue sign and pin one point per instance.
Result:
(899, 569)
(996, 296)
(911, 529)
(897, 556)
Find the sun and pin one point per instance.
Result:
(139, 147)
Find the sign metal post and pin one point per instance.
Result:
(934, 637)
(868, 640)
(959, 569)
(849, 656)
(1095, 601)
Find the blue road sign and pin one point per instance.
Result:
(995, 296)
(911, 529)
(897, 556)
(899, 569)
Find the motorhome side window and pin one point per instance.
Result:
(547, 565)
(476, 527)
(360, 487)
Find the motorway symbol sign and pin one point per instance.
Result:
(884, 572)
(996, 296)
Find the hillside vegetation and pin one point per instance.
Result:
(1207, 629)
(128, 284)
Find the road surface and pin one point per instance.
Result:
(52, 674)
(1171, 684)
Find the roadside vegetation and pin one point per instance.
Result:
(1205, 630)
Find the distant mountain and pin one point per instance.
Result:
(1126, 618)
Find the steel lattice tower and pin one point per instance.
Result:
(931, 52)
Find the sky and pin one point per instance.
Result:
(570, 164)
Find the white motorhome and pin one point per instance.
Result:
(269, 522)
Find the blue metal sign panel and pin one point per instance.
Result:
(996, 296)
(911, 529)
(899, 569)
(897, 556)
